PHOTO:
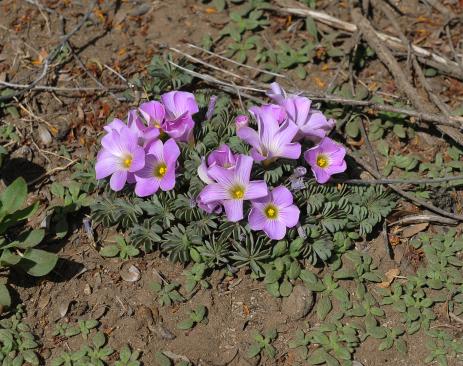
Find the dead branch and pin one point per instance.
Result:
(48, 59)
(453, 121)
(441, 63)
(385, 55)
(407, 195)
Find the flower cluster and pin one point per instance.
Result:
(134, 151)
(145, 151)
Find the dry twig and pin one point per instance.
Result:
(441, 63)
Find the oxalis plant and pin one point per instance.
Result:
(190, 177)
(17, 246)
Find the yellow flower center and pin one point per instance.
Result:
(322, 161)
(160, 170)
(271, 212)
(157, 124)
(127, 162)
(237, 192)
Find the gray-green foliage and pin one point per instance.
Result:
(17, 343)
(20, 252)
(332, 217)
(66, 200)
(336, 344)
(96, 353)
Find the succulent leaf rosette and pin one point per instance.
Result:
(146, 152)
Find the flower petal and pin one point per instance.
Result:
(249, 135)
(138, 159)
(171, 151)
(256, 189)
(282, 197)
(226, 177)
(243, 169)
(106, 166)
(203, 172)
(275, 229)
(256, 219)
(146, 187)
(321, 175)
(289, 215)
(157, 150)
(118, 180)
(213, 192)
(168, 181)
(291, 151)
(233, 210)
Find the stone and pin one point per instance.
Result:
(297, 305)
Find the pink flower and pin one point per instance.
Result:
(180, 107)
(274, 213)
(326, 159)
(232, 187)
(241, 121)
(120, 156)
(312, 124)
(222, 157)
(277, 111)
(272, 140)
(144, 134)
(159, 169)
(153, 112)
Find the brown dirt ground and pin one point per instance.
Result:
(85, 283)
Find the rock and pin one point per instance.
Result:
(244, 361)
(299, 303)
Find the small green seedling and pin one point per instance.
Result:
(198, 315)
(167, 293)
(121, 249)
(263, 343)
(127, 357)
(195, 276)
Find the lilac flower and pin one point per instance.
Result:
(271, 140)
(326, 159)
(232, 187)
(144, 134)
(274, 213)
(222, 156)
(277, 93)
(211, 107)
(312, 124)
(153, 112)
(179, 106)
(211, 207)
(241, 121)
(277, 111)
(159, 169)
(116, 124)
(120, 156)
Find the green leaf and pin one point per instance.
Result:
(99, 340)
(253, 350)
(5, 298)
(317, 357)
(30, 239)
(272, 276)
(286, 288)
(109, 251)
(162, 359)
(324, 306)
(13, 197)
(37, 262)
(185, 324)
